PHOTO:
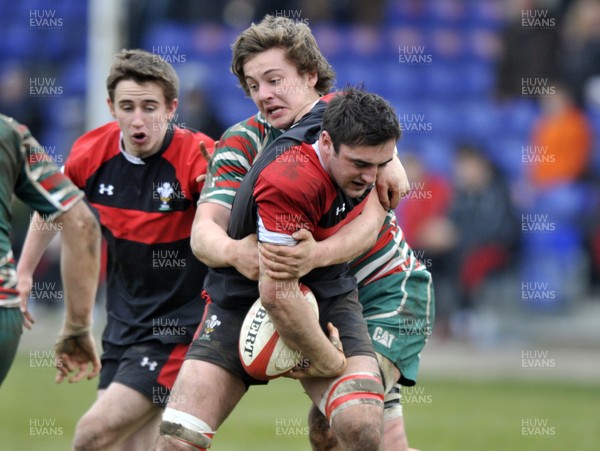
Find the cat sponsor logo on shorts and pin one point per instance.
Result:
(383, 337)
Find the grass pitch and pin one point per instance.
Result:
(441, 414)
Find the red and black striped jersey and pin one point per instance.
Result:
(146, 208)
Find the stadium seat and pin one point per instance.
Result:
(232, 108)
(486, 13)
(169, 39)
(444, 81)
(437, 153)
(74, 77)
(519, 116)
(478, 79)
(447, 12)
(552, 271)
(330, 39)
(565, 202)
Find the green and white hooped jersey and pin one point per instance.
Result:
(27, 171)
(391, 254)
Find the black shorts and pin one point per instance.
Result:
(216, 340)
(150, 368)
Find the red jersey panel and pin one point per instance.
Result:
(146, 208)
(286, 189)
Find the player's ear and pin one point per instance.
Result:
(326, 138)
(172, 108)
(111, 107)
(313, 78)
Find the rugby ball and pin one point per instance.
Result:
(263, 353)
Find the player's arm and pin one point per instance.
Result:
(80, 265)
(37, 241)
(212, 246)
(278, 200)
(392, 183)
(80, 268)
(60, 201)
(209, 240)
(299, 328)
(352, 240)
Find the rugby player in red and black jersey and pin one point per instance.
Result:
(271, 60)
(337, 156)
(140, 173)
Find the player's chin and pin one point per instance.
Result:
(281, 121)
(356, 189)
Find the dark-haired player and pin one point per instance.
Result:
(271, 60)
(316, 176)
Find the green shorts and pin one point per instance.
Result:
(400, 311)
(11, 328)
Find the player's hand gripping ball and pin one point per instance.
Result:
(263, 353)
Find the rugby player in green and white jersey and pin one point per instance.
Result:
(28, 172)
(280, 66)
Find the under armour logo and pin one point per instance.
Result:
(109, 190)
(151, 365)
(340, 210)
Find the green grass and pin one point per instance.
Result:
(441, 414)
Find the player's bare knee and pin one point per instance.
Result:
(91, 434)
(359, 431)
(353, 404)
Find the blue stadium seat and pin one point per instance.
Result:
(232, 108)
(172, 39)
(506, 152)
(565, 202)
(437, 153)
(444, 82)
(408, 11)
(479, 79)
(363, 41)
(19, 42)
(356, 70)
(330, 39)
(400, 81)
(447, 12)
(553, 263)
(490, 14)
(481, 45)
(448, 44)
(442, 119)
(398, 38)
(74, 77)
(519, 116)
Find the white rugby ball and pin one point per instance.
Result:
(263, 353)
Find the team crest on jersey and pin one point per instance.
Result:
(209, 326)
(165, 193)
